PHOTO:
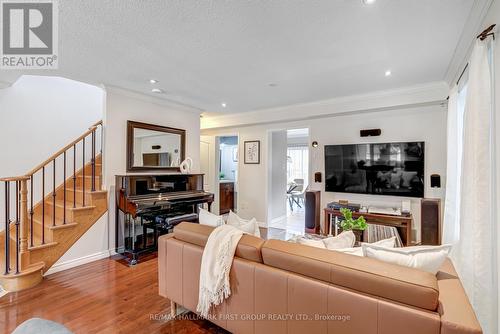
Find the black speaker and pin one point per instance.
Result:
(430, 230)
(435, 181)
(312, 211)
(317, 177)
(370, 133)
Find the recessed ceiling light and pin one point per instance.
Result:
(388, 73)
(153, 81)
(223, 104)
(156, 90)
(368, 2)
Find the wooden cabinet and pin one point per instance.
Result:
(226, 197)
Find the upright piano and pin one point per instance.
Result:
(148, 206)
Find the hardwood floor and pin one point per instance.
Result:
(104, 296)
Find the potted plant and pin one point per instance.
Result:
(357, 226)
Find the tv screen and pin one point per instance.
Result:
(395, 169)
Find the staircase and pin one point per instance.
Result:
(40, 231)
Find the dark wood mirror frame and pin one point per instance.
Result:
(131, 125)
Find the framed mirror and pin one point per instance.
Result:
(154, 148)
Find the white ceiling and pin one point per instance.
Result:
(207, 52)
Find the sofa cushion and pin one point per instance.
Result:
(249, 247)
(406, 285)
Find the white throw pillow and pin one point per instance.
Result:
(346, 239)
(358, 251)
(247, 226)
(427, 258)
(351, 251)
(207, 218)
(311, 242)
(388, 243)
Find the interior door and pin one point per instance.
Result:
(208, 165)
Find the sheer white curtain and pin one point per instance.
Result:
(455, 134)
(470, 197)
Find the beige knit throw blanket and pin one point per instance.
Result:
(215, 267)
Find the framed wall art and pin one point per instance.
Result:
(252, 152)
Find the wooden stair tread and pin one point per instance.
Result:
(39, 245)
(67, 225)
(48, 221)
(69, 204)
(87, 191)
(27, 271)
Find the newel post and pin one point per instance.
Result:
(24, 223)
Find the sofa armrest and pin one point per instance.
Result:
(162, 263)
(457, 315)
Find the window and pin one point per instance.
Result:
(298, 162)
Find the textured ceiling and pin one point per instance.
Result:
(207, 52)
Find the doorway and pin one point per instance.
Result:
(297, 177)
(219, 164)
(288, 179)
(228, 174)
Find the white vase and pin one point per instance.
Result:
(186, 166)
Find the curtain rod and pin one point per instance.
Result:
(482, 36)
(487, 32)
(463, 72)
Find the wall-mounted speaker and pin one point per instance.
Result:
(312, 211)
(370, 133)
(430, 212)
(435, 181)
(317, 177)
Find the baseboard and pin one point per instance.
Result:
(77, 262)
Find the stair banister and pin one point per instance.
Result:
(24, 212)
(23, 242)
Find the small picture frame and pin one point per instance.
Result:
(252, 152)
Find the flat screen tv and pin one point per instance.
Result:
(395, 169)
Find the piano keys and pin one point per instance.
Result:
(148, 206)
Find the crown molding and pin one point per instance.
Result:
(425, 94)
(164, 102)
(463, 49)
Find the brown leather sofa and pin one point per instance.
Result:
(281, 287)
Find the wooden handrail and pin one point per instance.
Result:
(64, 149)
(14, 178)
(96, 124)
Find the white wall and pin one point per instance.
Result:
(427, 123)
(122, 106)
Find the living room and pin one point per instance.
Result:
(249, 167)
